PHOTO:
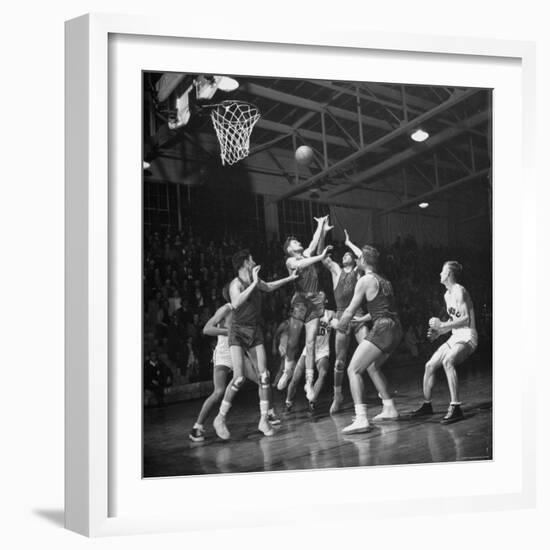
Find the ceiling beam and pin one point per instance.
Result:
(297, 101)
(405, 128)
(434, 192)
(412, 152)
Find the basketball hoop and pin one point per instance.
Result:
(233, 122)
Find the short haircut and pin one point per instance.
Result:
(225, 293)
(370, 255)
(287, 244)
(239, 258)
(455, 268)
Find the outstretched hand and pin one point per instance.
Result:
(326, 251)
(293, 275)
(255, 271)
(435, 323)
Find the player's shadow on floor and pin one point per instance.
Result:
(57, 517)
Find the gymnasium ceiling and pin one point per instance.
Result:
(359, 132)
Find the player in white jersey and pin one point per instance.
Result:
(461, 344)
(218, 325)
(322, 353)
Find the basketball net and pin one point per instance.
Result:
(233, 122)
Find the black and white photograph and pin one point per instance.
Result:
(317, 274)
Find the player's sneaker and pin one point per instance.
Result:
(265, 427)
(359, 426)
(454, 414)
(289, 406)
(336, 403)
(283, 381)
(220, 427)
(273, 418)
(308, 388)
(387, 413)
(197, 435)
(425, 409)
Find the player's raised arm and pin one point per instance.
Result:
(274, 285)
(316, 236)
(358, 295)
(299, 263)
(461, 317)
(237, 294)
(333, 267)
(355, 249)
(210, 329)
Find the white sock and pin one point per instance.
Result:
(224, 407)
(309, 376)
(337, 390)
(361, 411)
(456, 402)
(197, 426)
(271, 411)
(388, 403)
(264, 405)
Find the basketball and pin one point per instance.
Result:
(304, 154)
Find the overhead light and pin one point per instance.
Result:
(146, 165)
(420, 135)
(424, 204)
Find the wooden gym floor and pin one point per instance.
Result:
(305, 440)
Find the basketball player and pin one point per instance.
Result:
(344, 279)
(322, 353)
(246, 335)
(218, 325)
(461, 344)
(381, 341)
(307, 305)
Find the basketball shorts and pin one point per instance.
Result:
(352, 327)
(222, 357)
(463, 336)
(319, 353)
(246, 337)
(386, 334)
(306, 307)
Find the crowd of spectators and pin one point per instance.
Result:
(184, 274)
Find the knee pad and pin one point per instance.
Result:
(237, 383)
(264, 379)
(340, 366)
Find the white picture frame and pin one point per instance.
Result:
(95, 442)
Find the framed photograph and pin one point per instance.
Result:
(289, 262)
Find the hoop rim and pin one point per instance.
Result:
(226, 102)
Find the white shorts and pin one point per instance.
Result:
(463, 336)
(319, 353)
(222, 357)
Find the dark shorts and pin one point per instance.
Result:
(305, 307)
(386, 334)
(245, 336)
(352, 327)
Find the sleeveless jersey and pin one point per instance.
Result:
(466, 333)
(221, 355)
(248, 314)
(343, 292)
(383, 304)
(307, 281)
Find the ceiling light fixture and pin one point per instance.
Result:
(424, 204)
(420, 135)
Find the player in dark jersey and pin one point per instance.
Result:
(344, 279)
(374, 350)
(307, 305)
(461, 344)
(246, 335)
